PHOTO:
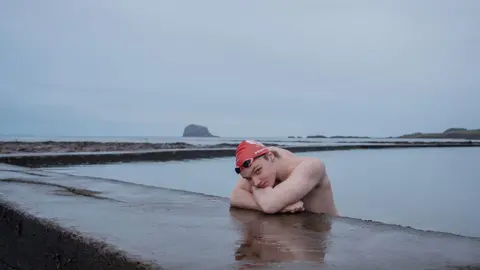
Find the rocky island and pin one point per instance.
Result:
(194, 130)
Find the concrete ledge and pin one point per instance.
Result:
(27, 242)
(36, 160)
(143, 227)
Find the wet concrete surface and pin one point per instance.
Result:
(183, 230)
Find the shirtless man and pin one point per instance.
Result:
(274, 180)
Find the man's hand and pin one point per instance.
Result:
(293, 208)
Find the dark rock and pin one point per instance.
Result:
(194, 130)
(349, 137)
(316, 136)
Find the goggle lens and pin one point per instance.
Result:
(245, 164)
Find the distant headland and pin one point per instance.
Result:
(451, 133)
(336, 137)
(194, 130)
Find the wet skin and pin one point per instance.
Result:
(276, 167)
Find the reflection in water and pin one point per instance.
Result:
(281, 238)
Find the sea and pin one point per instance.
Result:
(424, 188)
(217, 140)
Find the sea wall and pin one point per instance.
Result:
(35, 160)
(130, 226)
(27, 242)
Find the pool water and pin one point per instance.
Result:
(430, 189)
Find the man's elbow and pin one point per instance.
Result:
(319, 166)
(319, 171)
(270, 210)
(237, 199)
(233, 199)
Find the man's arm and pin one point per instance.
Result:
(308, 174)
(241, 196)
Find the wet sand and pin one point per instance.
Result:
(153, 227)
(44, 154)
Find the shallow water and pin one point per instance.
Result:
(431, 189)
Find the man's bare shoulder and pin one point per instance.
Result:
(284, 153)
(311, 168)
(281, 152)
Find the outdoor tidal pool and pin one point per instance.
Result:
(430, 189)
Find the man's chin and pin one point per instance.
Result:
(266, 185)
(270, 185)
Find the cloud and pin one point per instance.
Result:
(258, 68)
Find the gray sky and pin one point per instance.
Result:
(242, 68)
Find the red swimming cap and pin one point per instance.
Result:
(249, 149)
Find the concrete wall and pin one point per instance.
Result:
(64, 159)
(30, 243)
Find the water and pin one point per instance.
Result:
(217, 140)
(430, 189)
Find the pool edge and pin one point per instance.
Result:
(29, 242)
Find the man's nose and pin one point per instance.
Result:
(256, 181)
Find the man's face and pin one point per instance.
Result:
(262, 172)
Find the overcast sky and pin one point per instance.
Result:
(242, 68)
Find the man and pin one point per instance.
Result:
(274, 180)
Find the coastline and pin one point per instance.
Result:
(51, 153)
(29, 147)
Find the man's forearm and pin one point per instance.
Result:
(266, 200)
(244, 199)
(300, 182)
(263, 198)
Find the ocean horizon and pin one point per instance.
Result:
(216, 140)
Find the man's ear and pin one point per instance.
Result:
(271, 157)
